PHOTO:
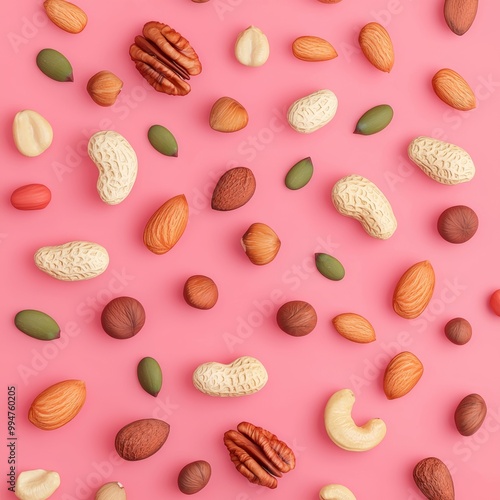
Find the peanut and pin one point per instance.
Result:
(313, 111)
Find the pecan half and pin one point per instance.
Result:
(165, 59)
(258, 454)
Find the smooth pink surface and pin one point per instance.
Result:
(303, 372)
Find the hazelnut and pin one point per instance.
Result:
(104, 88)
(228, 115)
(200, 292)
(458, 331)
(458, 224)
(123, 317)
(297, 318)
(470, 414)
(261, 244)
(194, 477)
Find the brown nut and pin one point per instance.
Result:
(201, 292)
(470, 414)
(228, 115)
(234, 189)
(194, 477)
(104, 88)
(261, 244)
(458, 331)
(165, 59)
(297, 318)
(123, 317)
(458, 224)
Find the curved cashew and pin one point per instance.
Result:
(336, 492)
(342, 429)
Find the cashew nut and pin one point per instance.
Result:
(36, 484)
(342, 429)
(336, 492)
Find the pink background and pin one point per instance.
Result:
(303, 372)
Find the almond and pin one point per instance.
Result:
(66, 15)
(376, 45)
(141, 439)
(166, 226)
(57, 405)
(228, 115)
(414, 290)
(354, 327)
(402, 374)
(434, 479)
(31, 197)
(233, 189)
(313, 48)
(460, 14)
(470, 414)
(453, 90)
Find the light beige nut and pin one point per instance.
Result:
(111, 491)
(342, 429)
(441, 161)
(32, 133)
(357, 197)
(116, 161)
(38, 484)
(336, 492)
(72, 261)
(252, 47)
(242, 377)
(313, 111)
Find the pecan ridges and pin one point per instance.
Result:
(258, 454)
(165, 59)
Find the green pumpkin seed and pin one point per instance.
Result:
(54, 65)
(374, 120)
(37, 324)
(163, 140)
(300, 174)
(329, 266)
(149, 375)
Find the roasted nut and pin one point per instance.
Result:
(104, 88)
(200, 292)
(261, 244)
(36, 484)
(234, 189)
(123, 317)
(434, 479)
(458, 331)
(165, 59)
(458, 224)
(470, 414)
(297, 318)
(228, 115)
(194, 477)
(258, 454)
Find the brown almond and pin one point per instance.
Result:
(166, 226)
(228, 115)
(57, 405)
(141, 439)
(233, 189)
(313, 48)
(434, 479)
(66, 15)
(470, 414)
(402, 374)
(414, 290)
(453, 90)
(354, 327)
(460, 14)
(376, 45)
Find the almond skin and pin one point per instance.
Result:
(228, 115)
(31, 197)
(470, 414)
(453, 90)
(66, 15)
(57, 405)
(376, 45)
(234, 189)
(402, 374)
(414, 290)
(313, 48)
(354, 327)
(141, 439)
(460, 14)
(434, 479)
(166, 226)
